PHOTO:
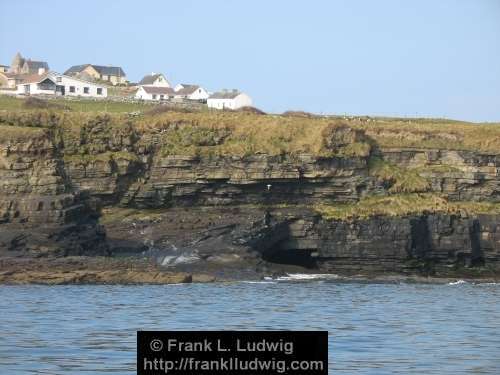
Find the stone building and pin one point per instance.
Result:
(20, 65)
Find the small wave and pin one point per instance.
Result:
(259, 282)
(307, 276)
(458, 282)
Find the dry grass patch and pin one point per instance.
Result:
(401, 180)
(243, 134)
(433, 134)
(402, 205)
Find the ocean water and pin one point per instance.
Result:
(373, 328)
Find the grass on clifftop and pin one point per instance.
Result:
(245, 133)
(10, 103)
(275, 134)
(402, 205)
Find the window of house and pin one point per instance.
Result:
(72, 89)
(59, 79)
(154, 96)
(161, 97)
(99, 91)
(86, 90)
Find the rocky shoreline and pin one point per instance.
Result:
(135, 271)
(137, 207)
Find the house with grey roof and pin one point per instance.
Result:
(186, 91)
(53, 83)
(229, 99)
(157, 93)
(112, 74)
(154, 79)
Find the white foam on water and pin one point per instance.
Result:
(307, 276)
(458, 282)
(259, 282)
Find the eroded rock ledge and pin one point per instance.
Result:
(175, 190)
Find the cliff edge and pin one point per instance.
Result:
(234, 194)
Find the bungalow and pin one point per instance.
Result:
(225, 99)
(154, 93)
(53, 83)
(191, 92)
(113, 74)
(153, 79)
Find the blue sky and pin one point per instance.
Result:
(386, 57)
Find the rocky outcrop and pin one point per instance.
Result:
(39, 211)
(425, 244)
(54, 180)
(155, 181)
(88, 270)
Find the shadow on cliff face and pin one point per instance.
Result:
(295, 257)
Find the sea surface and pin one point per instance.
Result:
(373, 328)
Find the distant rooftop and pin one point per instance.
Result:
(149, 79)
(187, 89)
(158, 90)
(34, 65)
(104, 70)
(225, 94)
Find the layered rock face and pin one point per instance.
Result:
(39, 211)
(136, 177)
(52, 182)
(426, 243)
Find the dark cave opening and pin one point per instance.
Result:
(295, 257)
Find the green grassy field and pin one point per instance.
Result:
(10, 103)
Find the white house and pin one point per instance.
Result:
(229, 100)
(153, 79)
(190, 92)
(154, 93)
(53, 83)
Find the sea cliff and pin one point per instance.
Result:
(232, 194)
